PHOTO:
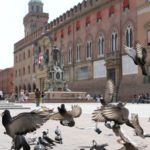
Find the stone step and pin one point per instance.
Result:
(10, 105)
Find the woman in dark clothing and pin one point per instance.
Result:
(37, 97)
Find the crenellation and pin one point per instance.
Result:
(72, 12)
(75, 9)
(79, 7)
(84, 3)
(57, 20)
(64, 16)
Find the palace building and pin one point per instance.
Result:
(91, 37)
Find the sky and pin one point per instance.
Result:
(12, 28)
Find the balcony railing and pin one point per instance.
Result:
(112, 55)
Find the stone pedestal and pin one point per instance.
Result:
(65, 95)
(61, 96)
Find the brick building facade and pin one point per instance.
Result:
(91, 36)
(6, 81)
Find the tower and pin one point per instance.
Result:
(35, 18)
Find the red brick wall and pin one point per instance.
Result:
(6, 80)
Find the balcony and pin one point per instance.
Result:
(113, 58)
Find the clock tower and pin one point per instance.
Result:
(35, 18)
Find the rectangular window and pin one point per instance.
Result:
(111, 11)
(82, 73)
(89, 50)
(69, 55)
(78, 53)
(55, 37)
(87, 20)
(125, 5)
(77, 25)
(99, 16)
(69, 29)
(62, 33)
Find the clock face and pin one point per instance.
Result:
(58, 75)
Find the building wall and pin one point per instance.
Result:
(6, 81)
(88, 74)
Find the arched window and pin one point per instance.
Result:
(62, 57)
(101, 45)
(33, 69)
(16, 59)
(28, 53)
(129, 36)
(23, 70)
(78, 51)
(19, 72)
(16, 73)
(29, 88)
(34, 86)
(37, 8)
(89, 49)
(114, 42)
(69, 55)
(32, 8)
(24, 87)
(19, 57)
(28, 69)
(24, 56)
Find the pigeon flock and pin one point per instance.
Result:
(112, 115)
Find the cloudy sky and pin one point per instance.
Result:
(12, 29)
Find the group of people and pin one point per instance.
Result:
(23, 97)
(141, 98)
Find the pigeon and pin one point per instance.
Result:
(139, 55)
(109, 93)
(39, 147)
(58, 136)
(22, 124)
(48, 139)
(57, 131)
(98, 147)
(20, 142)
(116, 113)
(127, 144)
(67, 117)
(94, 146)
(111, 112)
(44, 143)
(137, 127)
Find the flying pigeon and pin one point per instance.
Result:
(22, 124)
(67, 117)
(139, 55)
(111, 112)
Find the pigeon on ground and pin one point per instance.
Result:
(48, 139)
(95, 146)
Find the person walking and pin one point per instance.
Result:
(37, 97)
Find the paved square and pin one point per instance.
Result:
(75, 138)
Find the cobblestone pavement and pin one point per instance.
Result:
(75, 138)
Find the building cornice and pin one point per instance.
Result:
(100, 4)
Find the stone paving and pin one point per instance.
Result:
(75, 138)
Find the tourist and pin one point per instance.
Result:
(37, 97)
